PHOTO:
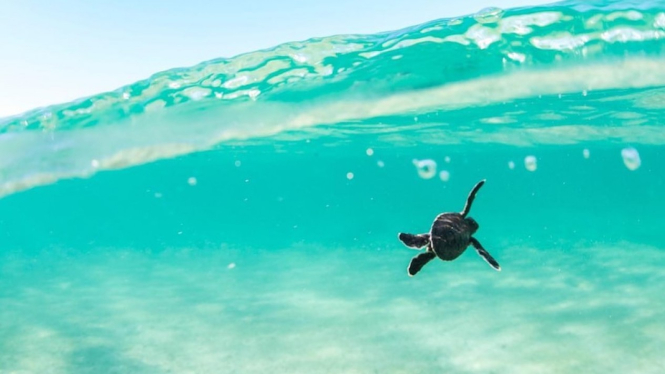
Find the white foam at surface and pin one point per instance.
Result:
(124, 148)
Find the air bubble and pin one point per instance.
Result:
(586, 153)
(349, 175)
(191, 181)
(94, 163)
(158, 195)
(530, 163)
(631, 158)
(444, 175)
(511, 165)
(231, 266)
(369, 151)
(426, 168)
(380, 163)
(237, 163)
(447, 159)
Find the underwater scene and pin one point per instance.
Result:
(249, 214)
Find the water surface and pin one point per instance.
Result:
(241, 215)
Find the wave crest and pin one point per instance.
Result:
(439, 71)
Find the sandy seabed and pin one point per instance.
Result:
(591, 309)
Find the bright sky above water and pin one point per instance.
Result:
(53, 52)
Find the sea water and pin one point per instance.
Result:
(241, 215)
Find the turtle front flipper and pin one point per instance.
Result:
(484, 254)
(418, 262)
(472, 195)
(414, 241)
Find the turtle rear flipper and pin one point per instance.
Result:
(418, 262)
(484, 254)
(414, 241)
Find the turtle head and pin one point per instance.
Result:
(473, 225)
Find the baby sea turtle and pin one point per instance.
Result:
(448, 239)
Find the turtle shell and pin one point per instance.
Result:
(450, 235)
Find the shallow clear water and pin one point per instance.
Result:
(241, 215)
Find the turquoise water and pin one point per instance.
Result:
(241, 215)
